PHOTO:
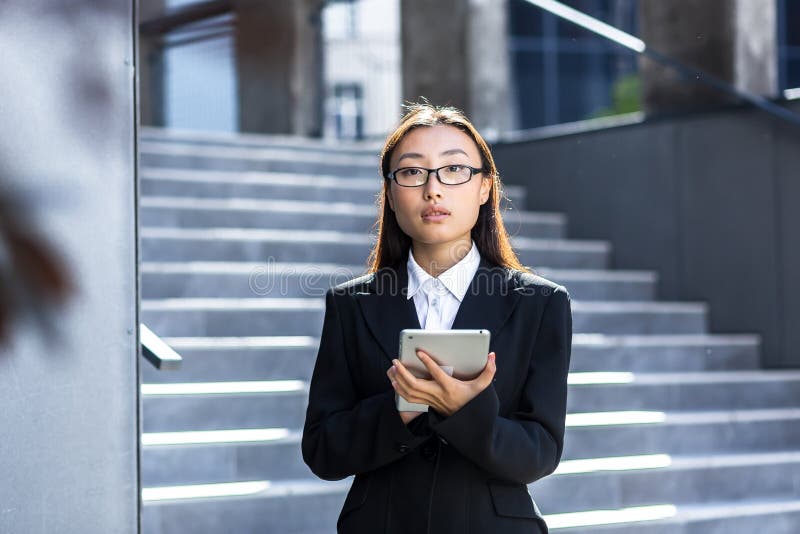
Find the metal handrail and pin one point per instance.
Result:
(157, 352)
(637, 45)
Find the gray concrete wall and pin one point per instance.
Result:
(708, 200)
(69, 417)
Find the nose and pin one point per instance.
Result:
(433, 187)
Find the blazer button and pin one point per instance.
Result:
(402, 447)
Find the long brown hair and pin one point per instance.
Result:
(489, 233)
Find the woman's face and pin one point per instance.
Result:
(433, 147)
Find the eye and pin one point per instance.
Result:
(409, 171)
(456, 168)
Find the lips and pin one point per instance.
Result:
(434, 212)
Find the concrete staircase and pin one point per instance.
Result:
(671, 429)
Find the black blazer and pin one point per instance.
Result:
(466, 473)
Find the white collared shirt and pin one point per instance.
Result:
(437, 298)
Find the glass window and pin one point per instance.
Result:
(792, 20)
(793, 73)
(530, 88)
(524, 19)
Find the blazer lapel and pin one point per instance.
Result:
(386, 309)
(487, 304)
(489, 301)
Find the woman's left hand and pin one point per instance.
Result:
(442, 392)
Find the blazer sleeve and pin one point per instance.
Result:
(527, 445)
(344, 434)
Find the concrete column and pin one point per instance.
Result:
(731, 39)
(490, 101)
(756, 53)
(454, 52)
(279, 66)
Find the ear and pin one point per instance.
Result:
(486, 187)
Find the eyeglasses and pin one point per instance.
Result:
(448, 175)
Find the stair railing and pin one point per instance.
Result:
(156, 351)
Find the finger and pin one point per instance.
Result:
(437, 373)
(407, 378)
(418, 389)
(422, 389)
(408, 394)
(487, 375)
(391, 374)
(397, 377)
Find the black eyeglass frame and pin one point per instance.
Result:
(473, 172)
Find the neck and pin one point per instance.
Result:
(436, 259)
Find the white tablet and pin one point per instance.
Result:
(461, 353)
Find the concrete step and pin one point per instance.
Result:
(639, 317)
(198, 212)
(288, 279)
(745, 515)
(176, 458)
(247, 507)
(234, 317)
(604, 284)
(208, 317)
(633, 432)
(171, 458)
(707, 390)
(621, 482)
(223, 405)
(208, 279)
(262, 159)
(208, 359)
(263, 506)
(669, 352)
(302, 145)
(268, 245)
(315, 187)
(267, 404)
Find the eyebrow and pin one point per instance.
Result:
(416, 155)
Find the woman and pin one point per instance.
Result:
(442, 260)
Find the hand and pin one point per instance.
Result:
(442, 392)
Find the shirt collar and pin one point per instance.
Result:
(456, 279)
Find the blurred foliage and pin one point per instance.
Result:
(33, 276)
(626, 97)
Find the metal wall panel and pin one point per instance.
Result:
(69, 417)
